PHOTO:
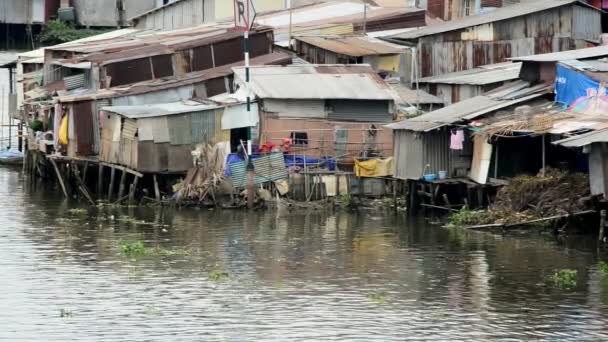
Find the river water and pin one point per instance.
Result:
(305, 276)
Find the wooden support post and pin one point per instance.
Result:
(132, 190)
(121, 186)
(395, 182)
(60, 178)
(111, 187)
(100, 180)
(156, 189)
(81, 186)
(85, 170)
(602, 234)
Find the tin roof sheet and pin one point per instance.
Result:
(584, 139)
(592, 52)
(503, 13)
(355, 46)
(406, 95)
(164, 109)
(316, 82)
(172, 82)
(487, 74)
(472, 108)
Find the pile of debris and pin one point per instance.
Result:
(529, 199)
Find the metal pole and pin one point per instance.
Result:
(364, 18)
(543, 173)
(247, 76)
(290, 24)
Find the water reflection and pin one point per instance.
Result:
(302, 276)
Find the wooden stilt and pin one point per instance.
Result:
(602, 235)
(81, 186)
(85, 170)
(121, 186)
(100, 180)
(111, 187)
(132, 189)
(156, 189)
(60, 178)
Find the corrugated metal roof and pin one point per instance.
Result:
(173, 82)
(479, 76)
(472, 108)
(504, 13)
(592, 52)
(316, 82)
(584, 139)
(164, 109)
(355, 46)
(406, 95)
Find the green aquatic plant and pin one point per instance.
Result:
(378, 298)
(603, 268)
(218, 275)
(133, 248)
(565, 279)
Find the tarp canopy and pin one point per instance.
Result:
(571, 85)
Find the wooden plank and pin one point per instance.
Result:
(60, 178)
(100, 179)
(156, 190)
(111, 187)
(122, 168)
(132, 190)
(121, 185)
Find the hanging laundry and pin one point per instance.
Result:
(457, 140)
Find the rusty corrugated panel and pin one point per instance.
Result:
(162, 66)
(129, 72)
(202, 58)
(83, 127)
(543, 45)
(260, 44)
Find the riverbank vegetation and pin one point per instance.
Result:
(529, 198)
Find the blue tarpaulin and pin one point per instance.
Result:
(571, 85)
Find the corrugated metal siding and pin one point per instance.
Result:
(586, 23)
(551, 30)
(413, 151)
(267, 169)
(74, 82)
(179, 129)
(337, 30)
(365, 111)
(436, 151)
(182, 14)
(96, 120)
(202, 125)
(296, 108)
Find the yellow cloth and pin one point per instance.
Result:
(63, 131)
(374, 168)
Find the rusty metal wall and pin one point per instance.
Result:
(83, 127)
(553, 30)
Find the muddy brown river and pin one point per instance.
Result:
(305, 276)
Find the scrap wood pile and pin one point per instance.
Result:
(529, 198)
(538, 124)
(202, 183)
